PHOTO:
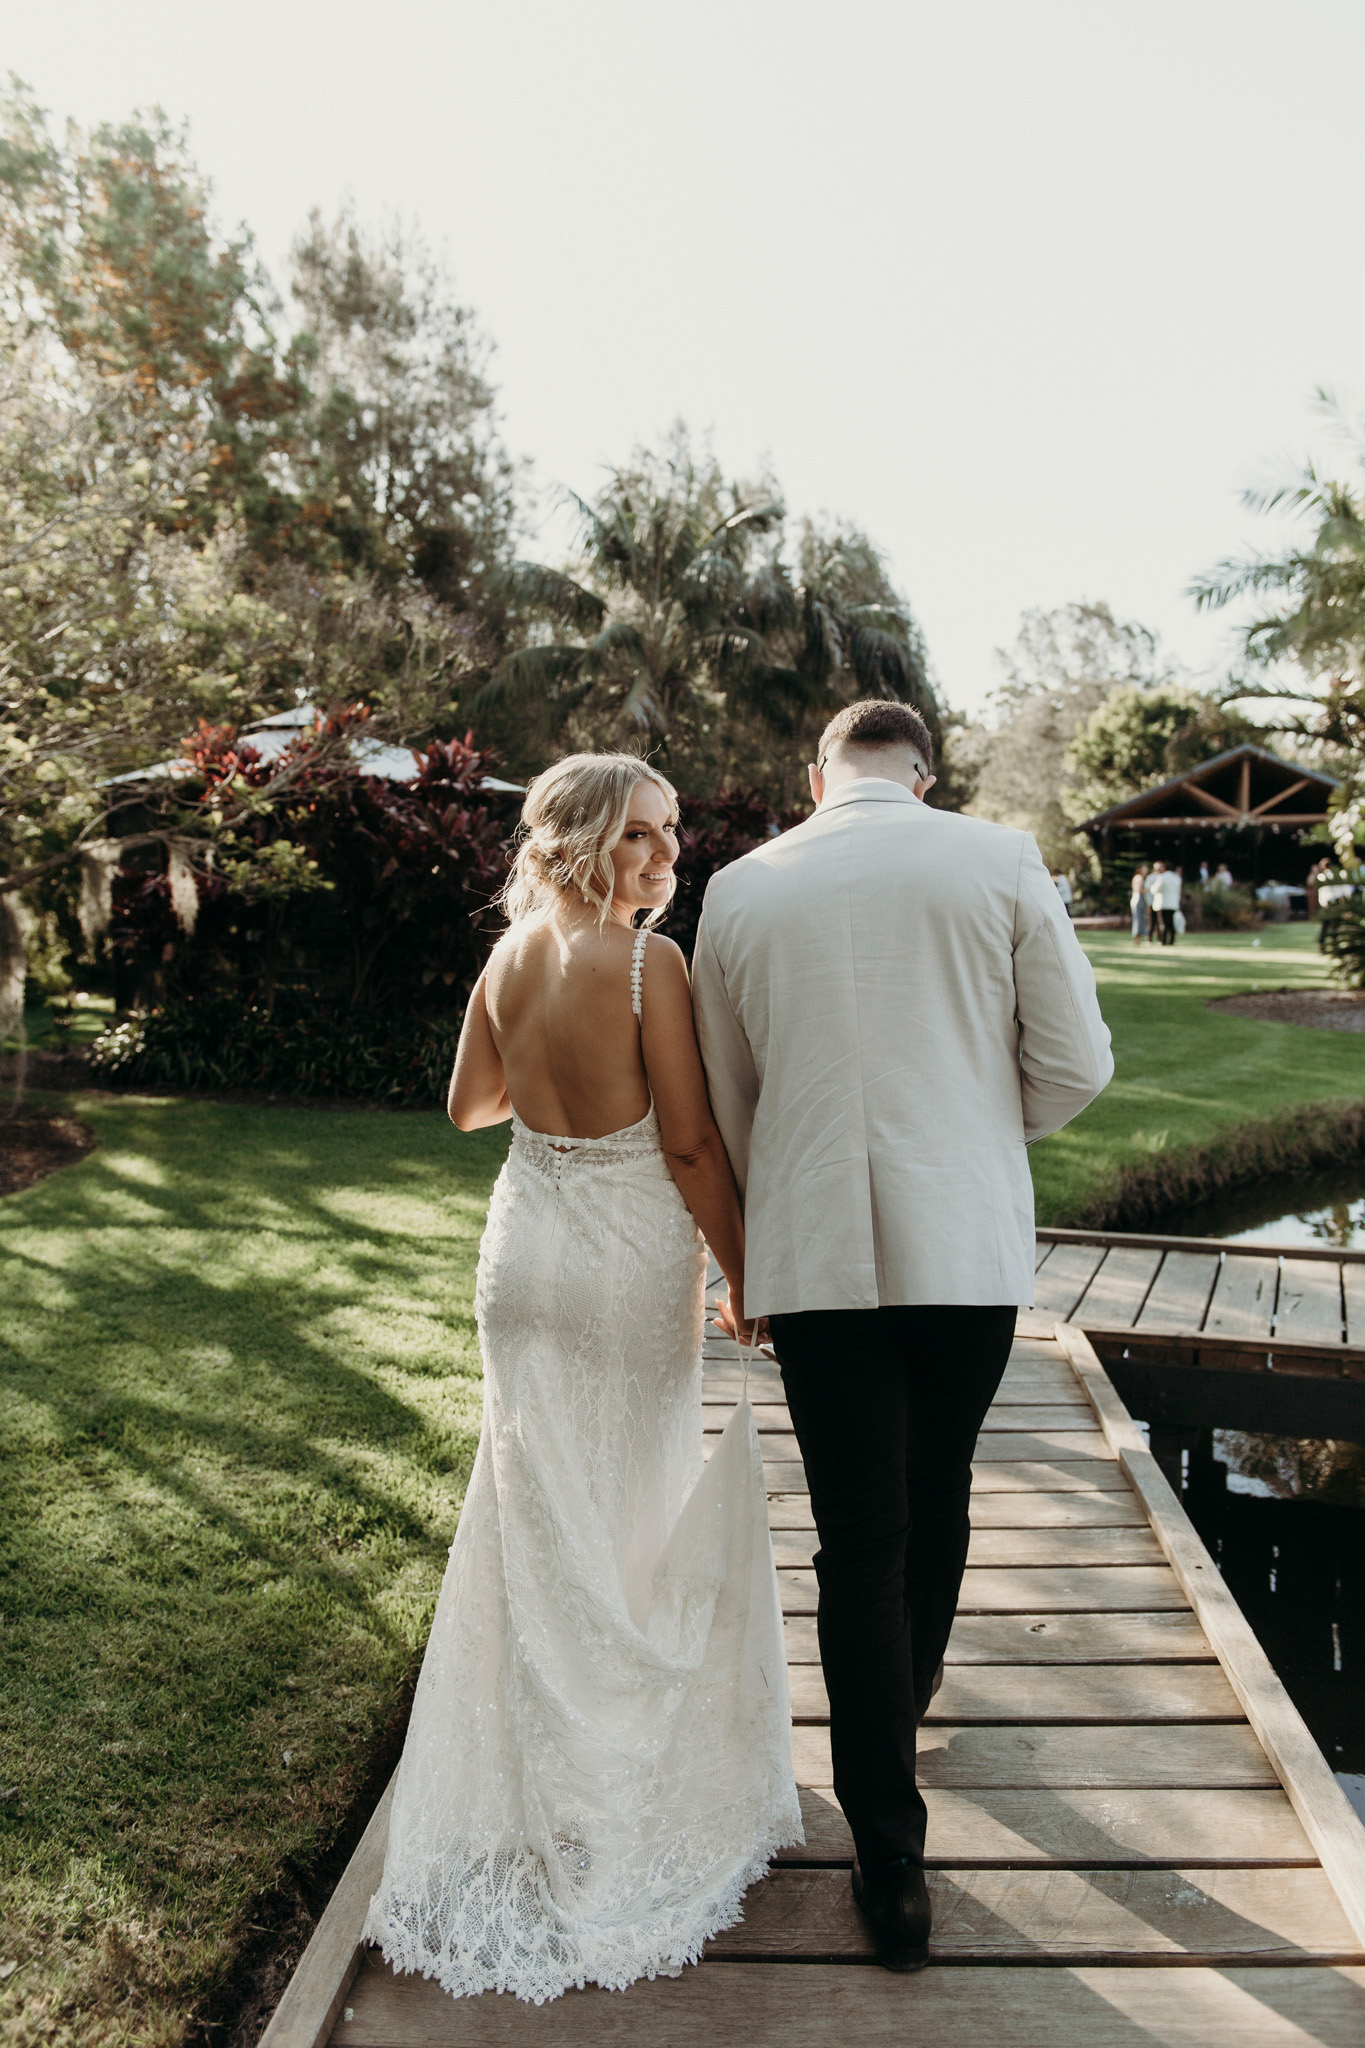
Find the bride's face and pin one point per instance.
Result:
(643, 856)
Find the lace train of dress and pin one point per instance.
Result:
(599, 1759)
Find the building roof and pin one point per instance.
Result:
(273, 736)
(1240, 790)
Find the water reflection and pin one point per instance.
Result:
(1296, 1566)
(1320, 1208)
(1285, 1516)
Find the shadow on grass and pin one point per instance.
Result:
(241, 1401)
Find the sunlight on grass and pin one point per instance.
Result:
(241, 1400)
(1186, 1074)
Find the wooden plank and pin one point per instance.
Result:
(1329, 1821)
(790, 1511)
(1166, 1637)
(1308, 1309)
(1028, 1391)
(1106, 1589)
(1090, 1475)
(1117, 1292)
(1179, 1296)
(316, 1993)
(1042, 1443)
(1032, 1349)
(772, 2005)
(1172, 1636)
(1059, 1285)
(1041, 1251)
(1043, 1589)
(978, 1759)
(1055, 1511)
(1031, 1415)
(1243, 1303)
(783, 1476)
(1055, 1693)
(1353, 1292)
(1074, 1637)
(1068, 1547)
(1065, 1916)
(794, 1548)
(1078, 1827)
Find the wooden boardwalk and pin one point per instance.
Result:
(1235, 1298)
(1118, 1789)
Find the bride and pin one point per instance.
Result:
(599, 1759)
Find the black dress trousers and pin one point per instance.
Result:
(886, 1404)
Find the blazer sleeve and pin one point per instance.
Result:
(1064, 1048)
(731, 1074)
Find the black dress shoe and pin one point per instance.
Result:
(895, 1905)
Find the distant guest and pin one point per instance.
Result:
(1165, 890)
(1140, 906)
(1063, 887)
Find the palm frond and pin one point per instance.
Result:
(549, 590)
(532, 673)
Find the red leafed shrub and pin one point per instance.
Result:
(343, 890)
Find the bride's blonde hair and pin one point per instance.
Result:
(572, 817)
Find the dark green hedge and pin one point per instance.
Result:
(213, 1045)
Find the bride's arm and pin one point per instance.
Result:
(478, 1087)
(693, 1147)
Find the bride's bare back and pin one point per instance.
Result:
(559, 1008)
(550, 1033)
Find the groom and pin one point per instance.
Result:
(892, 1005)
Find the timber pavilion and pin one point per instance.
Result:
(1246, 807)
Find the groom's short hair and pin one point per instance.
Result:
(878, 722)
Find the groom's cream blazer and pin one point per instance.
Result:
(891, 1005)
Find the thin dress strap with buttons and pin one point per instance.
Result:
(637, 973)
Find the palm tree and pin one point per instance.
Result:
(685, 618)
(1315, 618)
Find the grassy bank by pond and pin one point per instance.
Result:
(239, 1401)
(1189, 1080)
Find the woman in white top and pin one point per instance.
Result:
(599, 1758)
(1140, 907)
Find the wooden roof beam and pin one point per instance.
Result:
(1214, 803)
(1193, 821)
(1280, 797)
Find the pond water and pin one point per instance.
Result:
(1321, 1208)
(1297, 1569)
(1294, 1559)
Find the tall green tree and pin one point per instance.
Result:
(1304, 642)
(179, 493)
(400, 438)
(1063, 667)
(683, 622)
(112, 255)
(1140, 736)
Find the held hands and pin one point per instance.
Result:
(744, 1332)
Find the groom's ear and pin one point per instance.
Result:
(817, 785)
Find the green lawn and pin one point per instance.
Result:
(239, 1404)
(1186, 1075)
(240, 1401)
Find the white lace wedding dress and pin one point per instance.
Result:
(599, 1759)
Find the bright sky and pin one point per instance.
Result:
(1027, 288)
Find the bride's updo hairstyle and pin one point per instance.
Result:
(572, 817)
